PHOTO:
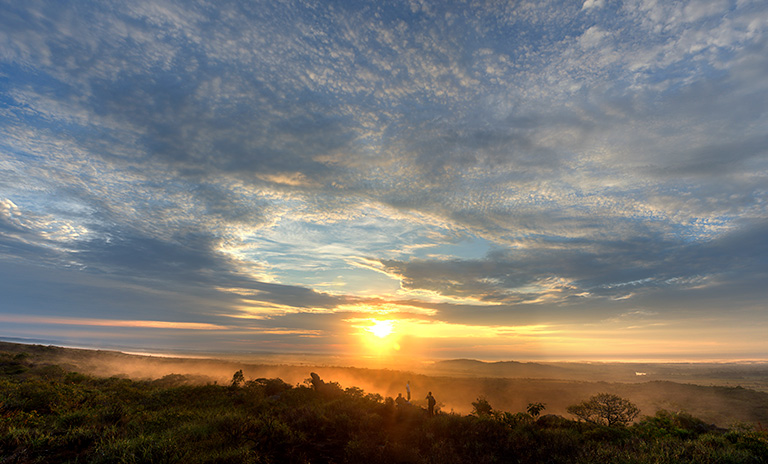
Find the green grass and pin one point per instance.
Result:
(50, 415)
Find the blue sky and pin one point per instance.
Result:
(501, 180)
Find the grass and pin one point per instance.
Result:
(50, 415)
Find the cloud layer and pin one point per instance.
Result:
(287, 166)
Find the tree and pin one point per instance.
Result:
(328, 389)
(605, 409)
(482, 407)
(269, 387)
(534, 409)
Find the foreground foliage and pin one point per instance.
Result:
(49, 415)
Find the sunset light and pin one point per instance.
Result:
(422, 229)
(381, 328)
(378, 338)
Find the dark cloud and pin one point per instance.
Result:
(64, 292)
(229, 206)
(185, 265)
(201, 139)
(451, 152)
(180, 256)
(144, 280)
(13, 246)
(192, 259)
(286, 295)
(719, 159)
(21, 239)
(580, 269)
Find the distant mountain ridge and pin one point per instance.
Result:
(474, 367)
(750, 375)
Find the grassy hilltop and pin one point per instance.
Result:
(49, 414)
(455, 389)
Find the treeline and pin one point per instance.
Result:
(50, 415)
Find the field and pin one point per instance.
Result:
(55, 408)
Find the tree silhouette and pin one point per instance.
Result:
(534, 409)
(605, 409)
(482, 407)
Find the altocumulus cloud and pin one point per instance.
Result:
(270, 165)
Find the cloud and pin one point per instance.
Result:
(111, 323)
(589, 4)
(592, 37)
(288, 159)
(585, 270)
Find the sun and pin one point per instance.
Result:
(379, 338)
(381, 328)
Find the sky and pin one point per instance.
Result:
(521, 180)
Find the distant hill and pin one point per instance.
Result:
(513, 369)
(753, 375)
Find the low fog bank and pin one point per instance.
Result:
(456, 384)
(753, 375)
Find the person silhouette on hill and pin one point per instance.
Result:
(431, 404)
(408, 391)
(317, 382)
(400, 401)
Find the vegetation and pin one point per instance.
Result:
(534, 409)
(482, 407)
(49, 415)
(606, 409)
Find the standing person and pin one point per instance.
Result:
(431, 403)
(408, 391)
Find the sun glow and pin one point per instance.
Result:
(381, 328)
(379, 337)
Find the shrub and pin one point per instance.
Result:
(673, 424)
(74, 418)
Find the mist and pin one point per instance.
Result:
(719, 398)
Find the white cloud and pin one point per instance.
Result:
(696, 10)
(592, 37)
(589, 4)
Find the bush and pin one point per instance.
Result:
(673, 424)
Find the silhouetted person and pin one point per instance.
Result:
(317, 382)
(400, 401)
(408, 391)
(327, 389)
(431, 404)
